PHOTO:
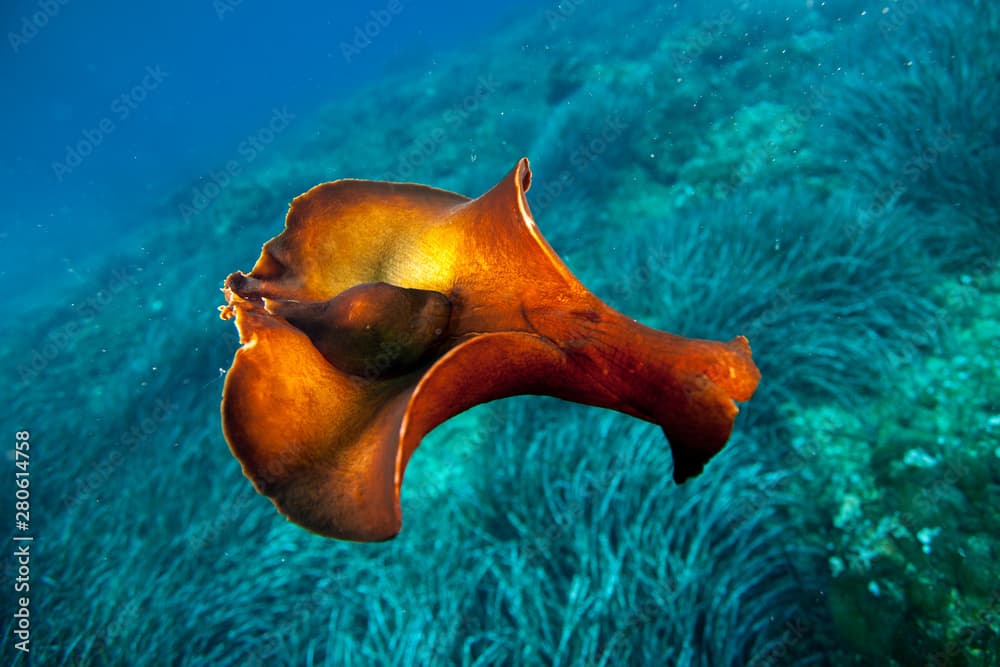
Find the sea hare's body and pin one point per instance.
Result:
(384, 309)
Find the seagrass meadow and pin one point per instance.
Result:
(822, 178)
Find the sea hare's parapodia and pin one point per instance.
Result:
(384, 309)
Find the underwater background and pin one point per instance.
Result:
(821, 177)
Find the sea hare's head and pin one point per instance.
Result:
(373, 330)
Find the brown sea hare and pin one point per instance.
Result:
(383, 309)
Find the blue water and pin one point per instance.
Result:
(819, 177)
(111, 109)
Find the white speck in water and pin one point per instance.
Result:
(874, 589)
(918, 458)
(926, 536)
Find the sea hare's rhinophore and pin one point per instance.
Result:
(384, 309)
